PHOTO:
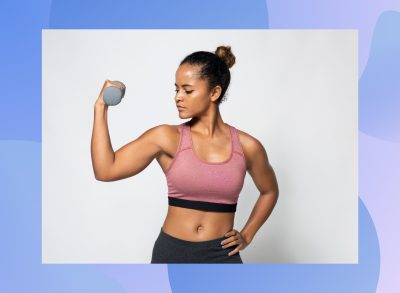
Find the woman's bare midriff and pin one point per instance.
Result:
(196, 225)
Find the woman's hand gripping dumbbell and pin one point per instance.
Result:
(112, 93)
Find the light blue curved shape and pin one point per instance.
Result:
(361, 277)
(338, 14)
(379, 86)
(379, 169)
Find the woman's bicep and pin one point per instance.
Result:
(260, 168)
(135, 156)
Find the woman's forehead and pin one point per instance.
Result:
(189, 81)
(187, 74)
(187, 70)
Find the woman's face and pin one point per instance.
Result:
(192, 93)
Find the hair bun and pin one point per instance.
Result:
(225, 53)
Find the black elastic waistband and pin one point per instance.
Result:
(202, 205)
(213, 242)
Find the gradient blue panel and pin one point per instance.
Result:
(21, 225)
(184, 14)
(20, 63)
(379, 86)
(361, 277)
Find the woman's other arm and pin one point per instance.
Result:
(265, 180)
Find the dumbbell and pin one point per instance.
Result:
(113, 95)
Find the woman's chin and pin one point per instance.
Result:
(183, 115)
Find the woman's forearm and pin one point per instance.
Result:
(101, 148)
(260, 213)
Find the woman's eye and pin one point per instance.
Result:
(187, 92)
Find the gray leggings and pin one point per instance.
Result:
(169, 249)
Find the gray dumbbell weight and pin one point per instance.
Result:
(113, 95)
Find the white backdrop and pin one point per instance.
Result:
(294, 90)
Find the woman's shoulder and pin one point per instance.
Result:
(250, 144)
(167, 137)
(166, 128)
(166, 134)
(246, 138)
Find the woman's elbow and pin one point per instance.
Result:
(102, 177)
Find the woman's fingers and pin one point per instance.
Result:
(235, 238)
(236, 250)
(117, 84)
(105, 84)
(100, 97)
(230, 242)
(230, 233)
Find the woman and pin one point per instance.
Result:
(205, 161)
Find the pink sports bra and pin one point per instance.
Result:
(197, 184)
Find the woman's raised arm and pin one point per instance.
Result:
(130, 159)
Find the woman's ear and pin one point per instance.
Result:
(215, 93)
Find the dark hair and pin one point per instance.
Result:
(214, 67)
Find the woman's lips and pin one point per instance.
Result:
(180, 108)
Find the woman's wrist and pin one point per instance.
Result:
(248, 238)
(100, 105)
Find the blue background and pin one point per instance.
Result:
(378, 25)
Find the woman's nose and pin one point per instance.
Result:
(178, 96)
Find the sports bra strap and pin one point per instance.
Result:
(237, 147)
(185, 137)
